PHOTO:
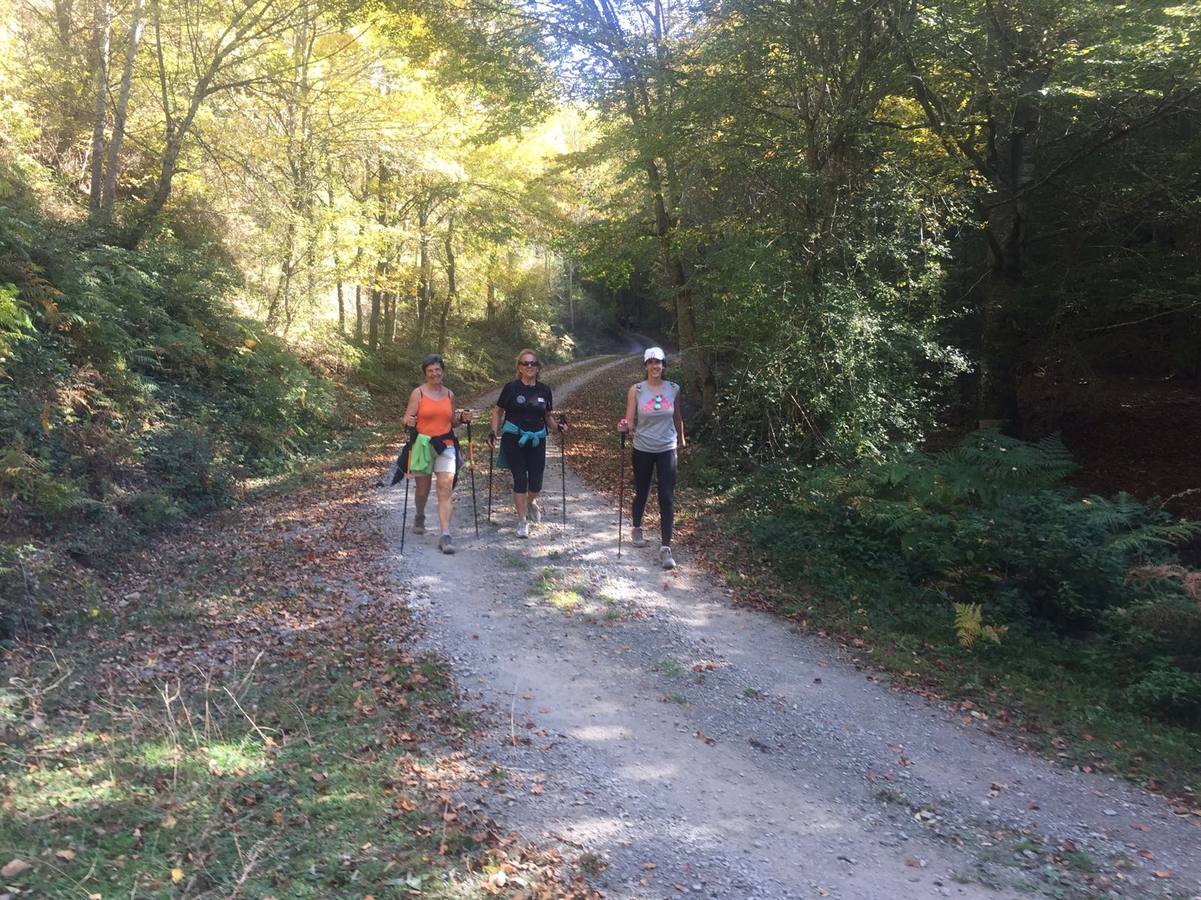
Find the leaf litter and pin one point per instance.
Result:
(250, 680)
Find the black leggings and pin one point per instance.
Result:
(645, 464)
(528, 463)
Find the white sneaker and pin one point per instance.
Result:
(637, 539)
(533, 512)
(665, 558)
(523, 529)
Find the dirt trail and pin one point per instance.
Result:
(641, 720)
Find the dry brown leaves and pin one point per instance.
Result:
(303, 580)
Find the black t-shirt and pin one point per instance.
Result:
(525, 405)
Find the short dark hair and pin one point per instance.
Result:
(430, 360)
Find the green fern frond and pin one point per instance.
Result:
(970, 627)
(1152, 536)
(968, 618)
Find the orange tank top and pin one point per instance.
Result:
(433, 416)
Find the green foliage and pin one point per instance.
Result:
(1168, 692)
(988, 521)
(134, 394)
(1165, 624)
(183, 462)
(832, 349)
(991, 528)
(14, 320)
(26, 482)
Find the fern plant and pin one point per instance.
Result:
(970, 627)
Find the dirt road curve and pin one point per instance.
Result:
(689, 747)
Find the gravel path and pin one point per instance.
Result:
(681, 745)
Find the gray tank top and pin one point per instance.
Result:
(654, 417)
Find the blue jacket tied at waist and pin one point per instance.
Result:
(526, 436)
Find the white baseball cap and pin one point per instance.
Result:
(653, 353)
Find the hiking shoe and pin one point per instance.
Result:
(637, 539)
(445, 545)
(665, 558)
(534, 512)
(523, 529)
(418, 524)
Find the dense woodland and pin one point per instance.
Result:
(229, 229)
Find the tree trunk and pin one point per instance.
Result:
(244, 26)
(277, 310)
(425, 285)
(389, 318)
(112, 165)
(452, 290)
(341, 310)
(373, 324)
(358, 314)
(1012, 160)
(673, 266)
(443, 322)
(358, 289)
(103, 30)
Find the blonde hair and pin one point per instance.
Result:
(528, 352)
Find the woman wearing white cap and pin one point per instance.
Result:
(653, 409)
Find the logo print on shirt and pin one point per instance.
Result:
(659, 403)
(521, 398)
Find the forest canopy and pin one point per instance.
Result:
(862, 223)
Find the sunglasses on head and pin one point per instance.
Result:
(531, 362)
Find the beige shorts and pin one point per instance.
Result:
(445, 461)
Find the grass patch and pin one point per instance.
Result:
(672, 668)
(189, 788)
(243, 715)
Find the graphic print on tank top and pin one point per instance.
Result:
(657, 403)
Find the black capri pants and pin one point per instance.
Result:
(528, 463)
(663, 466)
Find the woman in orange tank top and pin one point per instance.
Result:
(431, 411)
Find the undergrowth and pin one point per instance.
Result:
(1090, 625)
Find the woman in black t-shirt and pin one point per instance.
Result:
(525, 403)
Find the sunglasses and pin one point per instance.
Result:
(531, 362)
(658, 402)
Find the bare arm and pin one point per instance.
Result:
(631, 408)
(459, 416)
(679, 420)
(410, 417)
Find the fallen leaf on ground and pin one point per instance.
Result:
(14, 868)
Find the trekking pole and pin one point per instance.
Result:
(563, 464)
(491, 454)
(475, 513)
(404, 516)
(621, 485)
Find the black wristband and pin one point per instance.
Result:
(491, 435)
